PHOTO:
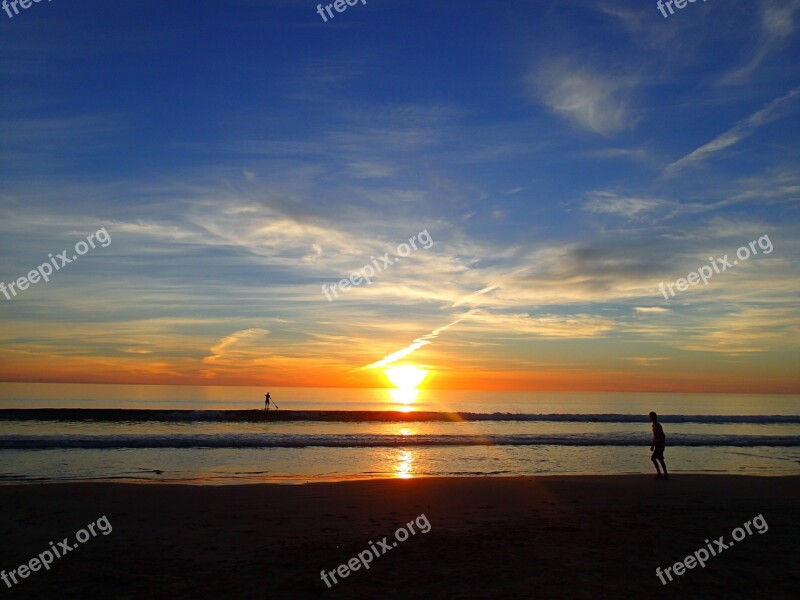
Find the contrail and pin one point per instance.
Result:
(426, 339)
(415, 345)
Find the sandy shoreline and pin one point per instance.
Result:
(526, 537)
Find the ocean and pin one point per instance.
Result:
(221, 435)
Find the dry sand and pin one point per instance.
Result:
(530, 537)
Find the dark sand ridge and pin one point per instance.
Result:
(527, 537)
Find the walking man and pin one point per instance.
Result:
(657, 447)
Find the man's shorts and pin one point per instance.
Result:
(658, 452)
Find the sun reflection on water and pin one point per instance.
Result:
(404, 398)
(405, 467)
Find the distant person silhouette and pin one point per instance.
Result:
(266, 401)
(657, 447)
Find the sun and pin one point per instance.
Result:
(405, 377)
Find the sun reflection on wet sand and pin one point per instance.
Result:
(404, 468)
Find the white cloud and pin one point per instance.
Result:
(549, 326)
(592, 100)
(631, 208)
(364, 169)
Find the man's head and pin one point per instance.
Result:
(653, 417)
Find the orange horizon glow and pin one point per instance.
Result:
(301, 372)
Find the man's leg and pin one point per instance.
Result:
(663, 464)
(655, 463)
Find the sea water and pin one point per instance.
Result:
(223, 435)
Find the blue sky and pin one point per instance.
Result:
(565, 156)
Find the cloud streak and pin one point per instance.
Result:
(777, 25)
(771, 112)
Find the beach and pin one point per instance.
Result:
(489, 537)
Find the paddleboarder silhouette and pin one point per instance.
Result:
(267, 399)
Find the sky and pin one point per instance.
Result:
(563, 157)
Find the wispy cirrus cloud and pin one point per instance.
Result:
(777, 24)
(748, 331)
(235, 346)
(579, 325)
(773, 111)
(637, 154)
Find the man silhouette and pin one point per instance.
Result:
(266, 401)
(657, 446)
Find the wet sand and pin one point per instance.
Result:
(527, 537)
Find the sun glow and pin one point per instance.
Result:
(406, 377)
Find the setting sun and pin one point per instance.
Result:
(406, 377)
